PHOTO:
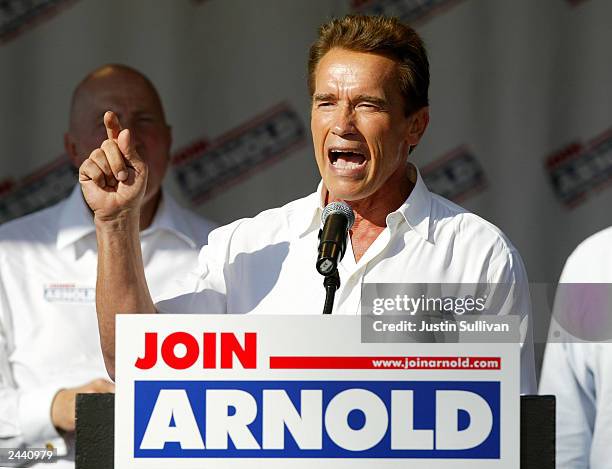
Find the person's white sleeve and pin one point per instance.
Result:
(203, 290)
(511, 296)
(25, 415)
(576, 405)
(566, 373)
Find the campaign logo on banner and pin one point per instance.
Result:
(69, 293)
(205, 168)
(579, 170)
(455, 176)
(17, 16)
(46, 186)
(409, 11)
(242, 391)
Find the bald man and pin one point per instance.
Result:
(49, 343)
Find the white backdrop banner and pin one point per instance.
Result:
(521, 104)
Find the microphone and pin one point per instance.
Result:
(337, 220)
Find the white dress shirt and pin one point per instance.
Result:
(48, 328)
(266, 264)
(580, 373)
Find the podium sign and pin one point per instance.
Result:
(251, 391)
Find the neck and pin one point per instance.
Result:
(371, 212)
(148, 210)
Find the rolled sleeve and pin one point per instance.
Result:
(35, 414)
(25, 415)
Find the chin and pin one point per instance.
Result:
(345, 193)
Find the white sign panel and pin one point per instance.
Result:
(246, 391)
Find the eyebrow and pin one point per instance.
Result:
(359, 98)
(137, 113)
(324, 97)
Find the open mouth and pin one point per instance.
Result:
(341, 158)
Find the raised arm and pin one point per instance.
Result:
(113, 180)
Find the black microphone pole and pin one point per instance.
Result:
(331, 284)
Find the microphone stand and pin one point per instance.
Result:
(331, 283)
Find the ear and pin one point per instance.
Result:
(71, 151)
(418, 123)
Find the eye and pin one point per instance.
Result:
(368, 106)
(323, 104)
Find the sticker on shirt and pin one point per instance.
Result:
(69, 293)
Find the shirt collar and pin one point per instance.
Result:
(170, 218)
(416, 210)
(76, 222)
(307, 215)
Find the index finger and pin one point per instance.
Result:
(112, 124)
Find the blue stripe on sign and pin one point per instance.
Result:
(424, 392)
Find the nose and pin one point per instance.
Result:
(344, 122)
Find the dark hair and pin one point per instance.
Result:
(379, 35)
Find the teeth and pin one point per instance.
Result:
(351, 152)
(346, 159)
(340, 163)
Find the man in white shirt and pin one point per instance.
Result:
(49, 342)
(369, 78)
(577, 371)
